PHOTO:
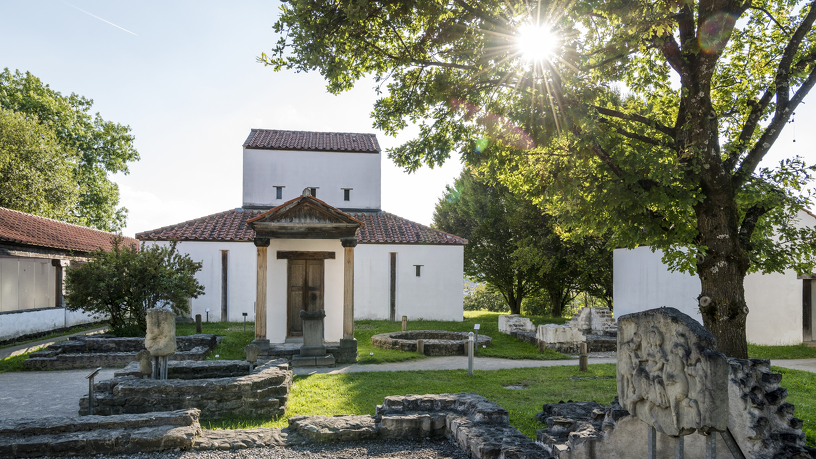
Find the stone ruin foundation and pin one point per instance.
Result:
(219, 388)
(437, 342)
(91, 351)
(671, 381)
(594, 326)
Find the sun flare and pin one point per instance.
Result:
(536, 43)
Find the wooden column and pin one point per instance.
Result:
(348, 287)
(260, 291)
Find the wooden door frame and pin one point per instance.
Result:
(807, 310)
(305, 292)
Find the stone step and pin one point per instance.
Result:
(62, 436)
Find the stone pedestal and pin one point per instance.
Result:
(313, 351)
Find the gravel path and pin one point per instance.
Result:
(397, 449)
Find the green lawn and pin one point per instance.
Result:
(801, 351)
(13, 364)
(360, 393)
(801, 386)
(504, 346)
(233, 337)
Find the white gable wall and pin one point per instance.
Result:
(642, 281)
(435, 295)
(329, 171)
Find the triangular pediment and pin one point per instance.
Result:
(304, 217)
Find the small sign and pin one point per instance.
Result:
(476, 327)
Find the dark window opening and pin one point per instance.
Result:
(313, 191)
(346, 194)
(418, 268)
(278, 192)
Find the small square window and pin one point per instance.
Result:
(418, 269)
(346, 194)
(313, 191)
(278, 192)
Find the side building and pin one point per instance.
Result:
(34, 253)
(315, 197)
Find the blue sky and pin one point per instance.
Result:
(183, 75)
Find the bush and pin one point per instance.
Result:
(480, 298)
(124, 282)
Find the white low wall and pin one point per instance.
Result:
(24, 323)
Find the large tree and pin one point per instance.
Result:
(98, 147)
(647, 119)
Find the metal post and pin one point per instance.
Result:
(471, 342)
(583, 359)
(679, 447)
(476, 328)
(711, 445)
(163, 363)
(652, 443)
(156, 369)
(91, 395)
(245, 316)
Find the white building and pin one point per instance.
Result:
(322, 242)
(779, 304)
(34, 252)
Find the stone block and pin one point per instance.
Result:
(252, 352)
(669, 373)
(160, 339)
(512, 322)
(556, 334)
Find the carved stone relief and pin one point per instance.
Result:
(670, 374)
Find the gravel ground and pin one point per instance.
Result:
(397, 449)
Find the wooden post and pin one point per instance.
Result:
(260, 290)
(198, 323)
(348, 287)
(583, 359)
(404, 323)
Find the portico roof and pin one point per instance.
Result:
(304, 217)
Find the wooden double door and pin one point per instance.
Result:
(304, 292)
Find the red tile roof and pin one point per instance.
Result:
(269, 139)
(32, 230)
(379, 228)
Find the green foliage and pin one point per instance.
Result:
(14, 364)
(84, 149)
(479, 297)
(514, 247)
(360, 393)
(124, 282)
(801, 351)
(35, 171)
(647, 125)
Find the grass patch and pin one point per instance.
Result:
(13, 364)
(70, 331)
(799, 351)
(801, 386)
(233, 337)
(504, 346)
(360, 393)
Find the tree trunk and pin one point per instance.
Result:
(556, 302)
(722, 270)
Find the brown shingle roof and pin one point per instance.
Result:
(379, 228)
(270, 139)
(32, 230)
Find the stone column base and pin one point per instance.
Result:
(347, 352)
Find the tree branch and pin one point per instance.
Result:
(631, 135)
(757, 109)
(671, 51)
(637, 118)
(768, 13)
(604, 156)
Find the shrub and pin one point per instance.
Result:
(124, 282)
(479, 297)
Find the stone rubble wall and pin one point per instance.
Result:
(594, 326)
(71, 436)
(760, 420)
(110, 352)
(261, 394)
(194, 369)
(437, 342)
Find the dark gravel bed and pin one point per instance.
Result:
(395, 448)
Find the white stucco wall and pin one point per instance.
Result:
(24, 323)
(642, 281)
(332, 287)
(330, 172)
(435, 295)
(240, 278)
